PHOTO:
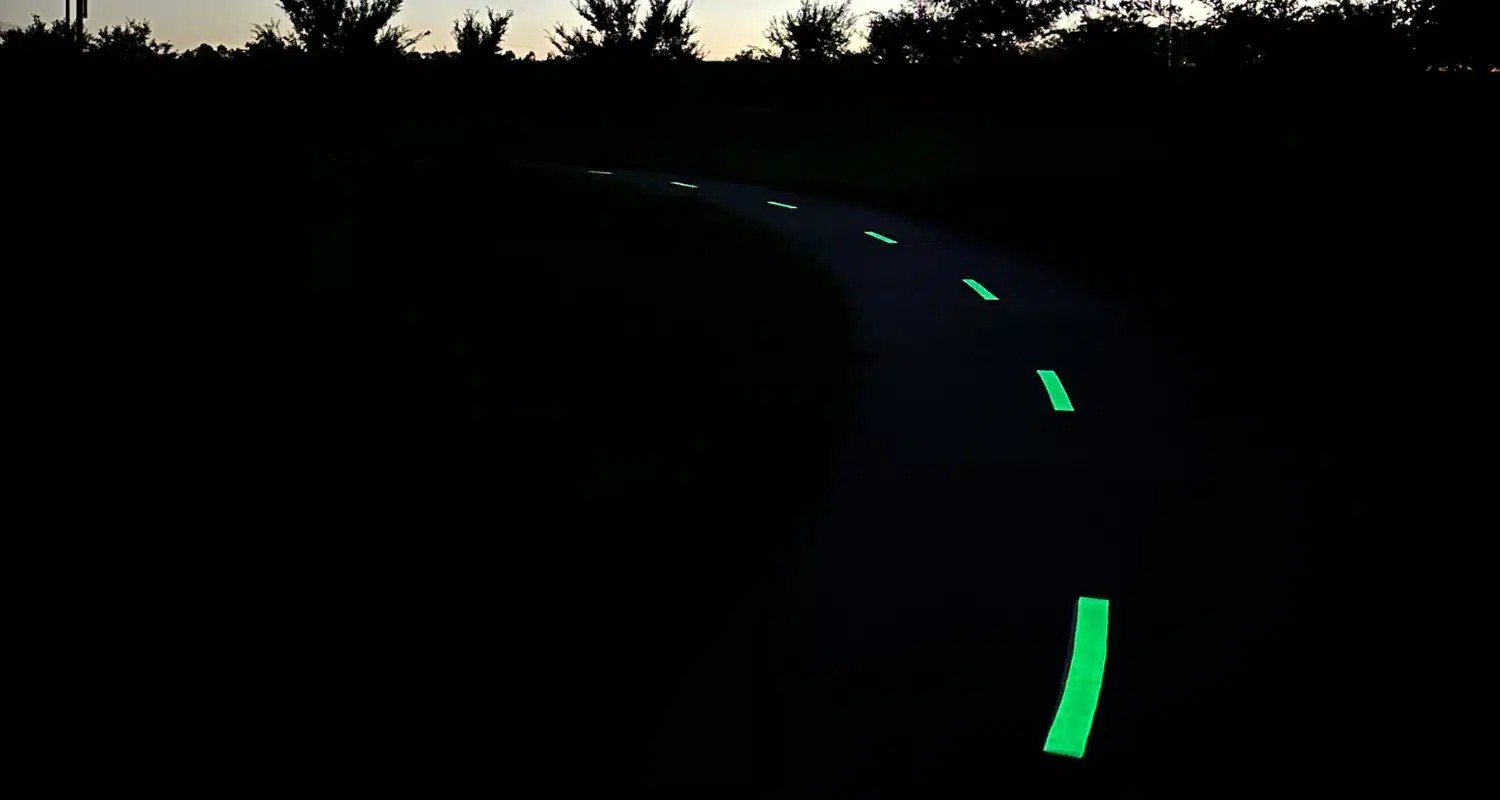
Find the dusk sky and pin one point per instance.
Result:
(726, 26)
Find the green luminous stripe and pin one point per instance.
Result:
(1055, 390)
(783, 205)
(881, 238)
(684, 185)
(983, 292)
(599, 172)
(1080, 698)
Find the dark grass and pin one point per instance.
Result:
(428, 452)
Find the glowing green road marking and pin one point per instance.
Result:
(881, 238)
(1080, 698)
(684, 185)
(1055, 390)
(599, 172)
(983, 292)
(783, 205)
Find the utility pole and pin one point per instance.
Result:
(1171, 29)
(75, 26)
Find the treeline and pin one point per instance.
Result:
(1230, 36)
(351, 67)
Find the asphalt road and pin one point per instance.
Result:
(922, 634)
(1265, 629)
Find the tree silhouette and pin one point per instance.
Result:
(1296, 36)
(1353, 36)
(964, 31)
(1114, 35)
(203, 53)
(617, 33)
(476, 38)
(131, 42)
(983, 30)
(1127, 36)
(815, 33)
(128, 43)
(344, 27)
(611, 27)
(41, 41)
(754, 54)
(913, 34)
(1243, 34)
(1456, 33)
(268, 40)
(667, 35)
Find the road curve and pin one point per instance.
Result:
(924, 628)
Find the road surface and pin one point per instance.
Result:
(922, 635)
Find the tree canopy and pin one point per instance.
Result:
(346, 27)
(616, 31)
(816, 32)
(479, 38)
